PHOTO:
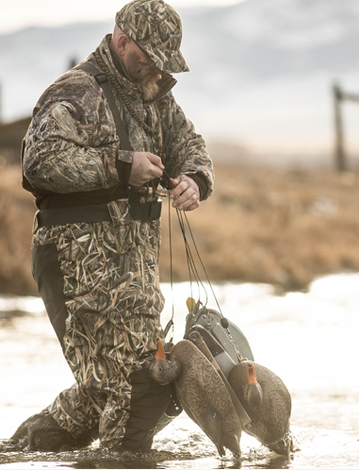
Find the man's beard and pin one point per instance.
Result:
(149, 86)
(148, 82)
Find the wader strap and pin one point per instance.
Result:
(102, 80)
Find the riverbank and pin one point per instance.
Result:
(282, 227)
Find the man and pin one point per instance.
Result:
(97, 233)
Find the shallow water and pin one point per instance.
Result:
(309, 339)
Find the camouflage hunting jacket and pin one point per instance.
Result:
(72, 145)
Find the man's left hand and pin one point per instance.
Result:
(185, 194)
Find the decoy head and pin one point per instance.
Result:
(254, 394)
(243, 380)
(162, 370)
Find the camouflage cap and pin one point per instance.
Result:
(157, 28)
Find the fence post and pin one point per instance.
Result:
(339, 133)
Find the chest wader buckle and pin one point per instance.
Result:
(147, 210)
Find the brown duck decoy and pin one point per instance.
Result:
(267, 402)
(201, 392)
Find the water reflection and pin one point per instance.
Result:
(309, 340)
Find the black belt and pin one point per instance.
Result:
(73, 215)
(96, 213)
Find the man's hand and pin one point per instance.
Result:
(185, 193)
(145, 167)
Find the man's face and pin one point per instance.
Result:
(139, 67)
(142, 70)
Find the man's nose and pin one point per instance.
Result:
(154, 68)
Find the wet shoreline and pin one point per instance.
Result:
(308, 339)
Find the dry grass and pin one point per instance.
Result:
(279, 227)
(16, 215)
(262, 225)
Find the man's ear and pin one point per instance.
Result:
(122, 44)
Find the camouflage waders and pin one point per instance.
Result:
(112, 319)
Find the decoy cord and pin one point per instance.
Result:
(192, 270)
(193, 273)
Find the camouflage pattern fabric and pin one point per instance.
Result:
(157, 27)
(110, 269)
(72, 145)
(113, 299)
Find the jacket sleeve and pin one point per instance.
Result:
(71, 144)
(185, 150)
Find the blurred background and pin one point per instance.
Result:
(274, 90)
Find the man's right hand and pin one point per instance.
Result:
(145, 167)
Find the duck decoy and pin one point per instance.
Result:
(263, 394)
(201, 392)
(268, 403)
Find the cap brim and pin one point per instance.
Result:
(169, 60)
